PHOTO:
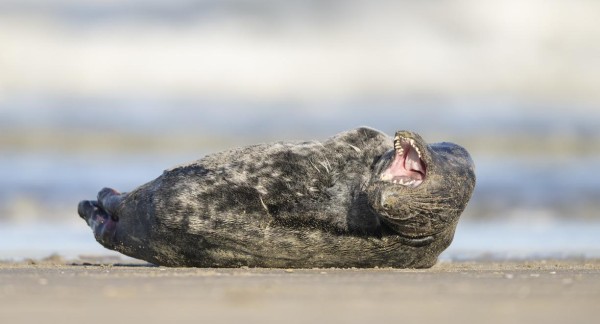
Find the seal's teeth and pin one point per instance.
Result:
(418, 151)
(413, 145)
(386, 176)
(399, 142)
(403, 181)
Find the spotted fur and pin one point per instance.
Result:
(305, 204)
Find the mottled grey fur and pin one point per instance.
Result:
(307, 204)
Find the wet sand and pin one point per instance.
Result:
(451, 292)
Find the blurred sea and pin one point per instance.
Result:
(104, 93)
(528, 202)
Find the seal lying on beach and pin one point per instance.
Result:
(359, 199)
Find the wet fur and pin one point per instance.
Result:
(271, 205)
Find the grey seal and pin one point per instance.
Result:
(358, 199)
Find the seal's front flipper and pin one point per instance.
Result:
(101, 223)
(109, 200)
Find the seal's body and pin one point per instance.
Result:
(359, 199)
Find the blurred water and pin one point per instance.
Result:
(495, 240)
(547, 163)
(44, 183)
(109, 93)
(526, 205)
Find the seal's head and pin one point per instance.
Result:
(419, 189)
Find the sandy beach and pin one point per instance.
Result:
(58, 291)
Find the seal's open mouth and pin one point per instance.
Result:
(408, 167)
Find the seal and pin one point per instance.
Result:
(358, 199)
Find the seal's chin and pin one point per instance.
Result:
(407, 167)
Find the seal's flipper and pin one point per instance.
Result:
(109, 200)
(101, 223)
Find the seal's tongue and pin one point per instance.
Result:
(413, 162)
(407, 168)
